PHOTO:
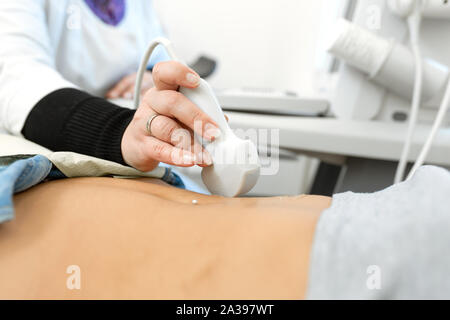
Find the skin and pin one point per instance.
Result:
(142, 239)
(125, 87)
(146, 240)
(172, 133)
(172, 140)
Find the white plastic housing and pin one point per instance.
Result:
(386, 62)
(236, 166)
(439, 9)
(436, 9)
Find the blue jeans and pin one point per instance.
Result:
(18, 174)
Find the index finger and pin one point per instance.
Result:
(163, 152)
(175, 105)
(170, 75)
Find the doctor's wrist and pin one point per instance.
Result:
(75, 121)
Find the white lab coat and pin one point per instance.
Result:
(46, 45)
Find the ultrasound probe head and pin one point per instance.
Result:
(236, 167)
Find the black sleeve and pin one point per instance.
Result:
(72, 120)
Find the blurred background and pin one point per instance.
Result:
(262, 45)
(273, 71)
(257, 43)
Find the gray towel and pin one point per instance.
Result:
(393, 244)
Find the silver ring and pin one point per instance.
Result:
(149, 123)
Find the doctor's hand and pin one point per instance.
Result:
(162, 129)
(125, 87)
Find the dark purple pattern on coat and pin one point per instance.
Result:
(110, 12)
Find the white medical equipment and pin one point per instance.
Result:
(236, 166)
(270, 101)
(389, 67)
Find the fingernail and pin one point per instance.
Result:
(188, 159)
(192, 78)
(212, 134)
(204, 158)
(207, 159)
